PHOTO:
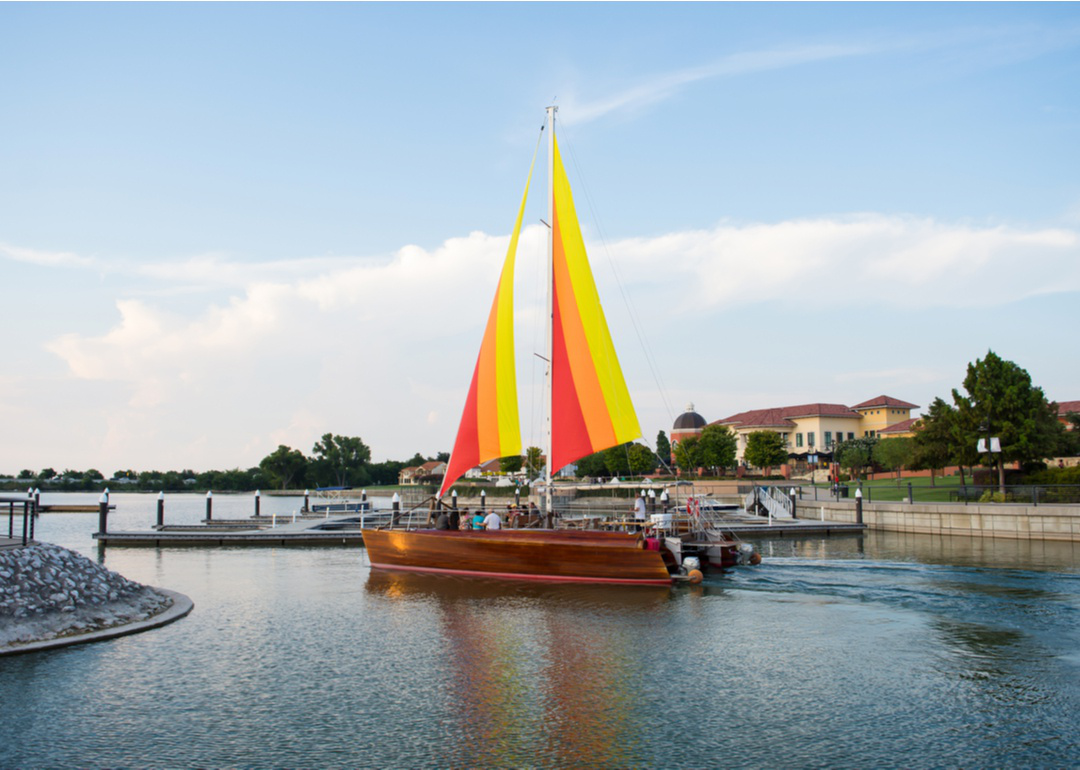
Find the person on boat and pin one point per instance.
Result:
(639, 512)
(466, 519)
(492, 521)
(455, 519)
(442, 521)
(478, 520)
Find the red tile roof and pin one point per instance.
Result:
(782, 417)
(901, 427)
(885, 401)
(1064, 407)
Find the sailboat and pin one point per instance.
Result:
(589, 409)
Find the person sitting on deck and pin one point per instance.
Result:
(492, 521)
(478, 520)
(442, 521)
(454, 518)
(466, 519)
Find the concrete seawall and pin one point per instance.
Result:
(1017, 522)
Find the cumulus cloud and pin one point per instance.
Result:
(384, 348)
(875, 259)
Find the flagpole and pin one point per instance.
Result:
(550, 307)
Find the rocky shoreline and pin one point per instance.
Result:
(48, 592)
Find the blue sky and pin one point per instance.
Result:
(229, 226)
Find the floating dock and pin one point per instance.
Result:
(333, 531)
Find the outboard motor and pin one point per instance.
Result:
(692, 568)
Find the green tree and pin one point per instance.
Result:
(855, 454)
(511, 464)
(385, 473)
(688, 454)
(617, 460)
(719, 446)
(343, 458)
(894, 454)
(283, 465)
(764, 449)
(534, 461)
(663, 449)
(592, 466)
(641, 459)
(47, 474)
(1001, 402)
(26, 474)
(934, 443)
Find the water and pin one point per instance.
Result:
(875, 651)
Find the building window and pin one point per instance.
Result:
(828, 439)
(850, 436)
(798, 440)
(810, 438)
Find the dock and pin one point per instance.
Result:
(307, 531)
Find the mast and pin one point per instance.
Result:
(550, 307)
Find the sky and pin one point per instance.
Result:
(227, 227)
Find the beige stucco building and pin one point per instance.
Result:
(810, 429)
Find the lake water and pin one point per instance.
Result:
(847, 652)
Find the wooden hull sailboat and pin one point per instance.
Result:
(520, 554)
(589, 409)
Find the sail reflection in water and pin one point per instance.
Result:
(543, 674)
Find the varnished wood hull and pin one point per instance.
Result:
(555, 555)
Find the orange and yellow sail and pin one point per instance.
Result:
(490, 426)
(590, 404)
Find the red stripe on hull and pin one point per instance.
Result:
(520, 576)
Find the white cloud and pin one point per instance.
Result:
(662, 87)
(45, 258)
(867, 259)
(384, 349)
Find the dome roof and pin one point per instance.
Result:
(689, 420)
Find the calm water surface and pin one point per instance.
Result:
(876, 651)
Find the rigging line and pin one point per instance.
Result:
(642, 339)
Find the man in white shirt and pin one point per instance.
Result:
(492, 521)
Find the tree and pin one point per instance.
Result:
(283, 465)
(719, 446)
(46, 474)
(934, 443)
(511, 464)
(534, 461)
(894, 454)
(663, 449)
(855, 454)
(25, 474)
(641, 459)
(343, 458)
(688, 454)
(764, 449)
(617, 460)
(592, 465)
(443, 457)
(1002, 403)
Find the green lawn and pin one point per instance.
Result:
(888, 490)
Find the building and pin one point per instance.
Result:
(687, 424)
(428, 473)
(810, 429)
(1064, 409)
